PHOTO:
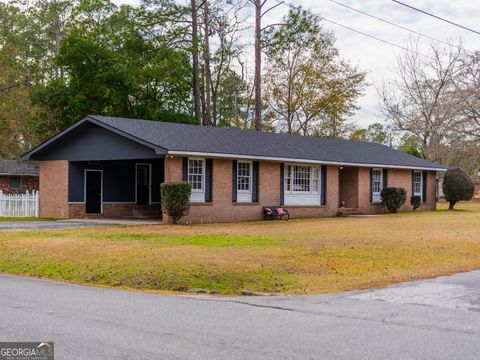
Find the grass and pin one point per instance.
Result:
(299, 257)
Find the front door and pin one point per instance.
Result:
(143, 184)
(93, 191)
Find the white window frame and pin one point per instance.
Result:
(420, 183)
(197, 195)
(245, 195)
(312, 197)
(376, 198)
(312, 180)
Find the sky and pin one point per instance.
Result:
(374, 57)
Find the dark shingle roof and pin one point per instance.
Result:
(13, 167)
(191, 138)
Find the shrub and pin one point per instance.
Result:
(176, 199)
(393, 198)
(457, 186)
(416, 201)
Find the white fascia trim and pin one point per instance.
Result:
(304, 161)
(106, 202)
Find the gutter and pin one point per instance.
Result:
(303, 161)
(12, 174)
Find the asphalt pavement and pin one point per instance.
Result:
(430, 319)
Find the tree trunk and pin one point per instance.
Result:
(451, 205)
(258, 66)
(196, 66)
(207, 121)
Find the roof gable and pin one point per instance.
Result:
(79, 142)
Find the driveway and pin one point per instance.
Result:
(433, 319)
(40, 225)
(65, 224)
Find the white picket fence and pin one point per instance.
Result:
(19, 205)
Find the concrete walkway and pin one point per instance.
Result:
(431, 319)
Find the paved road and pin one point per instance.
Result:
(435, 319)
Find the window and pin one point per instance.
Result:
(196, 174)
(377, 184)
(417, 183)
(302, 179)
(244, 176)
(15, 182)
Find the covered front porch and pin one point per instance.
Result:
(359, 190)
(115, 188)
(91, 170)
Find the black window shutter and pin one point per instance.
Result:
(323, 193)
(208, 180)
(385, 178)
(282, 184)
(413, 183)
(255, 166)
(424, 187)
(234, 181)
(185, 169)
(371, 185)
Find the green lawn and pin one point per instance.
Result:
(300, 256)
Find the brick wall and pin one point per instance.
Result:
(54, 189)
(223, 209)
(117, 210)
(349, 186)
(331, 207)
(54, 193)
(396, 178)
(29, 183)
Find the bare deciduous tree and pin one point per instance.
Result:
(425, 101)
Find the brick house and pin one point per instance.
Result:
(113, 167)
(18, 177)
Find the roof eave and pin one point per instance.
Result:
(17, 174)
(299, 160)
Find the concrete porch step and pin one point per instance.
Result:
(347, 211)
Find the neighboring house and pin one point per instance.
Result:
(18, 177)
(113, 167)
(476, 193)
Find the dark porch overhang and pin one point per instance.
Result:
(92, 140)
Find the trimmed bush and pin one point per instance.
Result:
(416, 201)
(176, 199)
(457, 186)
(393, 198)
